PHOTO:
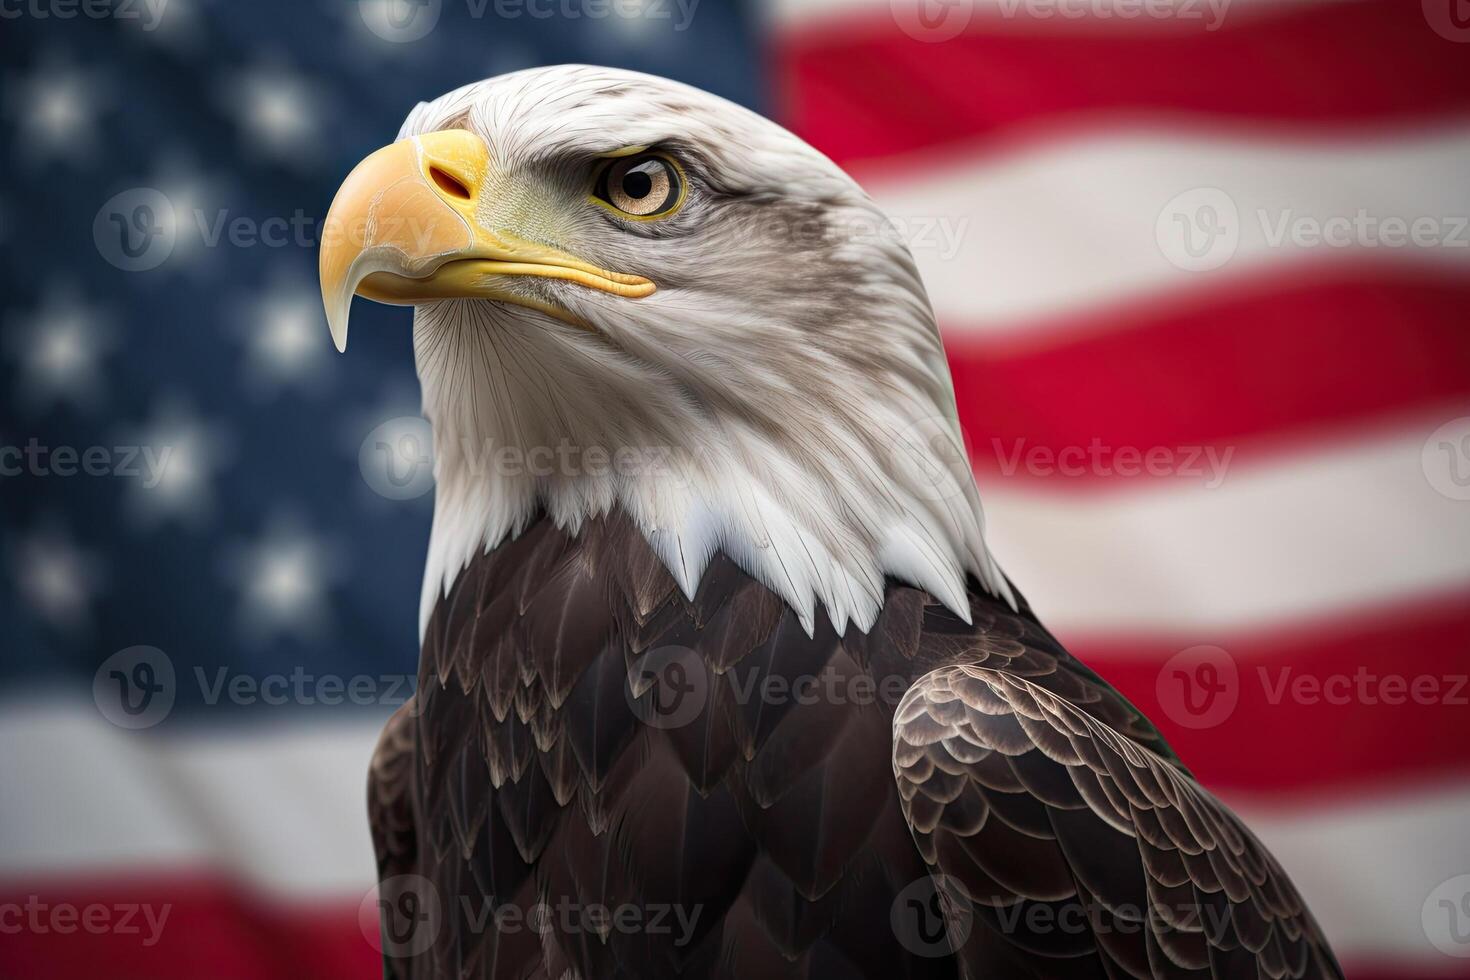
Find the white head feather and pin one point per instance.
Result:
(783, 397)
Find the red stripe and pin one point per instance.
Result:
(1341, 729)
(1442, 969)
(211, 928)
(1287, 358)
(860, 89)
(204, 937)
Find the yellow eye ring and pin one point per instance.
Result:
(637, 185)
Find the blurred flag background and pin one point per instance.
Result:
(1202, 266)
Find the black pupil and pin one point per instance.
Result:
(637, 184)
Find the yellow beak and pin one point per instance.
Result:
(403, 229)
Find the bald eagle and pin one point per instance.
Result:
(718, 678)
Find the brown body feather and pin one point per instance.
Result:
(697, 788)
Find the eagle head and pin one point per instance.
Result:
(633, 295)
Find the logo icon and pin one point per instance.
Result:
(1446, 459)
(668, 687)
(1446, 917)
(932, 917)
(402, 916)
(400, 21)
(135, 688)
(397, 458)
(932, 20)
(1199, 230)
(135, 230)
(1450, 19)
(1199, 687)
(931, 457)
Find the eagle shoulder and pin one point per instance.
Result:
(1063, 836)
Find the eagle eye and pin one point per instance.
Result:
(642, 186)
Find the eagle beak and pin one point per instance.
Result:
(403, 229)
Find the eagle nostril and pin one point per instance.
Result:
(449, 184)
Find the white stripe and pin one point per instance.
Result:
(1366, 867)
(1313, 532)
(793, 14)
(1074, 224)
(283, 811)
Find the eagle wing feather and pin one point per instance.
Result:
(1061, 847)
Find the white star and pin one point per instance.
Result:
(178, 455)
(57, 579)
(58, 349)
(285, 337)
(278, 111)
(177, 26)
(508, 56)
(55, 108)
(198, 213)
(640, 19)
(649, 25)
(390, 29)
(283, 578)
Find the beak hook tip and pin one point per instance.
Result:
(337, 322)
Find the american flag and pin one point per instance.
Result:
(1201, 267)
